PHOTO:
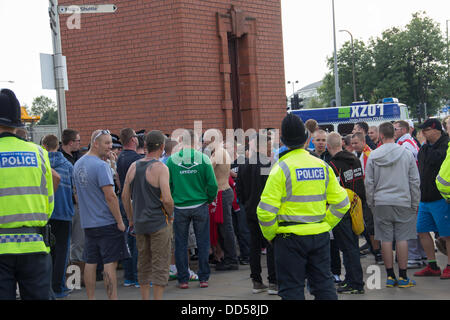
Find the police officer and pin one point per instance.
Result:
(443, 178)
(293, 214)
(26, 204)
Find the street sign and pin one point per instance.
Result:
(87, 8)
(445, 109)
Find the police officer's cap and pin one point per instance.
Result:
(10, 115)
(293, 132)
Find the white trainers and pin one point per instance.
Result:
(258, 287)
(192, 276)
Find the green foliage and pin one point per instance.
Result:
(408, 63)
(49, 117)
(45, 108)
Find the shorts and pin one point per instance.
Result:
(105, 245)
(154, 253)
(434, 217)
(394, 223)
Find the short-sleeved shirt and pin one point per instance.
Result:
(90, 175)
(125, 160)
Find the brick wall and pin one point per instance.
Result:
(155, 65)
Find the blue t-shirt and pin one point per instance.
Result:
(90, 174)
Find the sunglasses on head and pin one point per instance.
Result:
(102, 132)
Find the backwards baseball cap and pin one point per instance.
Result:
(431, 123)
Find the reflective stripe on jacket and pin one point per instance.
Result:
(443, 178)
(26, 194)
(296, 195)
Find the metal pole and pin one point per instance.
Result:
(353, 63)
(336, 73)
(448, 63)
(58, 65)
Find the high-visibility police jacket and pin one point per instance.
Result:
(26, 194)
(296, 195)
(443, 178)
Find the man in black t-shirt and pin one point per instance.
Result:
(126, 158)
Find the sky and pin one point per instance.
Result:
(307, 36)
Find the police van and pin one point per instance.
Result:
(342, 119)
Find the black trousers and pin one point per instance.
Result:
(62, 231)
(304, 257)
(347, 241)
(31, 271)
(257, 241)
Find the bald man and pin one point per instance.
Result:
(347, 168)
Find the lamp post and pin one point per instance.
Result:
(353, 64)
(336, 72)
(293, 86)
(448, 63)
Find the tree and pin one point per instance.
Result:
(45, 108)
(406, 63)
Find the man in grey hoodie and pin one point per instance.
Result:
(393, 192)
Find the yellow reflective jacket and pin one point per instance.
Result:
(296, 195)
(443, 178)
(26, 194)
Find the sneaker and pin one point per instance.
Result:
(192, 276)
(226, 266)
(183, 285)
(391, 282)
(337, 279)
(258, 287)
(405, 283)
(273, 289)
(128, 283)
(349, 290)
(428, 272)
(172, 274)
(415, 264)
(203, 284)
(63, 294)
(244, 262)
(137, 285)
(379, 259)
(446, 273)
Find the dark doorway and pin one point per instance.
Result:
(233, 53)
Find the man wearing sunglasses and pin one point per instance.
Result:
(100, 215)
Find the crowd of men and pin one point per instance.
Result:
(150, 201)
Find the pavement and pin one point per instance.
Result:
(237, 285)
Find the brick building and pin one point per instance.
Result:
(162, 64)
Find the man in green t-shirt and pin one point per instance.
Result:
(193, 186)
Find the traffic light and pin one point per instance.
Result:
(296, 102)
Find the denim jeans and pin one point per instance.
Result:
(130, 264)
(200, 219)
(304, 257)
(347, 241)
(242, 232)
(226, 232)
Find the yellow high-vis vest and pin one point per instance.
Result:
(26, 195)
(443, 178)
(296, 195)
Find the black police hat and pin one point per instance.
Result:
(10, 114)
(293, 132)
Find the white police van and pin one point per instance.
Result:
(342, 119)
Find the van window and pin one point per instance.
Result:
(327, 127)
(345, 128)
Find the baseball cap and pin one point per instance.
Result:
(431, 123)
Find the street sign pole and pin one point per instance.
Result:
(58, 65)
